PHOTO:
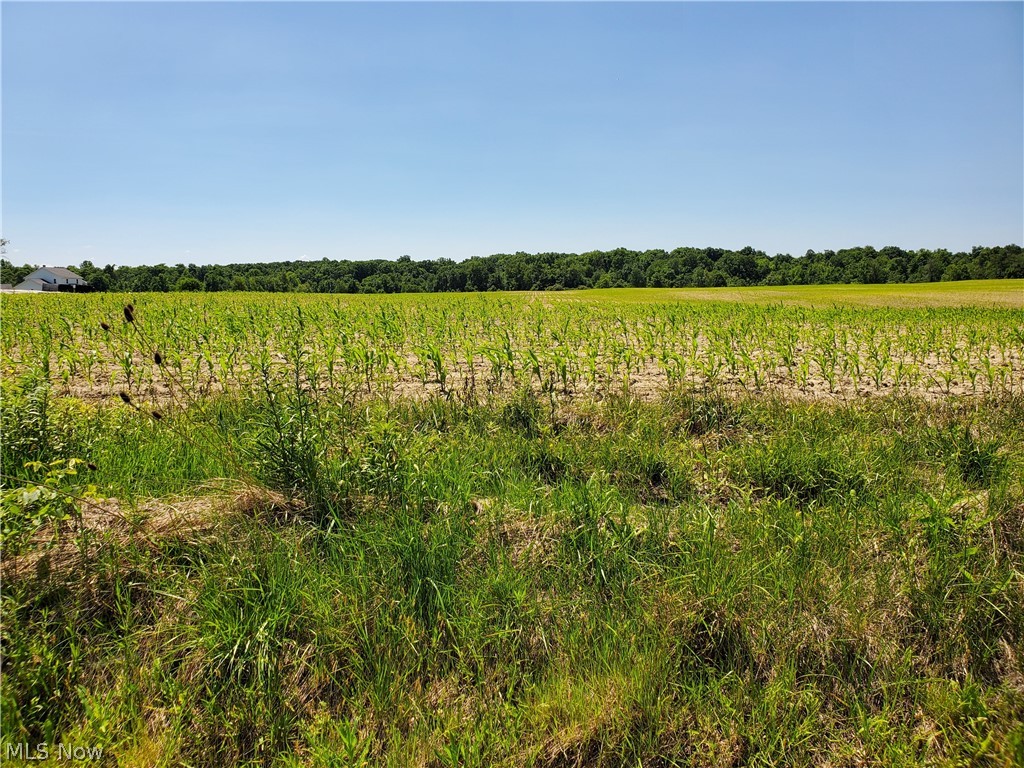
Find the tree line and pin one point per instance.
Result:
(679, 268)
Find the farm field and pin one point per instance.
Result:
(982, 293)
(816, 341)
(771, 526)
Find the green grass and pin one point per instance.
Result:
(697, 580)
(531, 565)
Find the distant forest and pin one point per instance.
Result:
(680, 268)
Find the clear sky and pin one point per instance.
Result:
(213, 133)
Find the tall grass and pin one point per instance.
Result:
(697, 580)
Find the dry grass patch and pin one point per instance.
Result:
(111, 523)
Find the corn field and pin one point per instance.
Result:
(479, 346)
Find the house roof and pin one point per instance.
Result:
(32, 282)
(61, 272)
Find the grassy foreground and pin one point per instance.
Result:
(698, 580)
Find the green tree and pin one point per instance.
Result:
(188, 283)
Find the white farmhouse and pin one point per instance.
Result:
(49, 279)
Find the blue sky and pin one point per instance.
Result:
(213, 133)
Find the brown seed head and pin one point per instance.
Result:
(125, 397)
(129, 313)
(158, 358)
(92, 466)
(156, 415)
(104, 326)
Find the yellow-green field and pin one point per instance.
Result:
(978, 293)
(833, 341)
(740, 527)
